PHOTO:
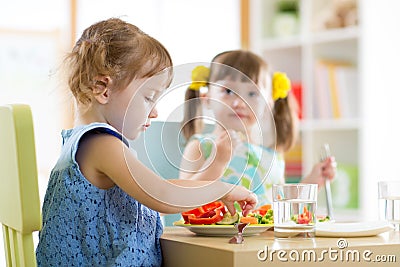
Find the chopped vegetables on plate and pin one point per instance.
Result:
(267, 218)
(229, 219)
(249, 219)
(323, 218)
(207, 214)
(217, 213)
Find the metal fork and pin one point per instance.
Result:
(325, 153)
(238, 239)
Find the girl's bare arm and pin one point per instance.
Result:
(103, 157)
(194, 166)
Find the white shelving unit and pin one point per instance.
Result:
(297, 55)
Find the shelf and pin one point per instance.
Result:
(321, 37)
(326, 64)
(372, 51)
(281, 43)
(330, 125)
(335, 35)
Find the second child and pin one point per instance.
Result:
(243, 96)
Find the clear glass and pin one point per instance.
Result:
(389, 202)
(294, 208)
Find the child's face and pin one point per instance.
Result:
(236, 104)
(134, 106)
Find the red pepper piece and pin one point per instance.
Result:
(195, 212)
(207, 214)
(263, 209)
(214, 217)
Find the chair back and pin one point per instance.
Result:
(19, 192)
(160, 148)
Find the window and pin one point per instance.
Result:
(191, 31)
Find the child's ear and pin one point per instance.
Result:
(101, 89)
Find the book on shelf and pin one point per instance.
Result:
(293, 164)
(293, 171)
(336, 85)
(297, 91)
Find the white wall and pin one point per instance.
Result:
(191, 31)
(381, 109)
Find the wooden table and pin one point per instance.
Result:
(183, 248)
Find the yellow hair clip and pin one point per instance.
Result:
(200, 76)
(280, 85)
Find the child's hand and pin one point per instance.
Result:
(320, 171)
(245, 198)
(225, 144)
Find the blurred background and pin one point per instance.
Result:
(341, 55)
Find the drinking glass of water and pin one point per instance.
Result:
(389, 202)
(294, 208)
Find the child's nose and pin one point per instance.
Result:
(153, 113)
(239, 102)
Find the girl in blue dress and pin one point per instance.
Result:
(102, 205)
(243, 96)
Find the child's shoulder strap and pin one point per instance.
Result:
(107, 129)
(72, 137)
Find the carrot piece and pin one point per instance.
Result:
(266, 207)
(249, 219)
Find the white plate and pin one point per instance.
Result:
(355, 229)
(224, 230)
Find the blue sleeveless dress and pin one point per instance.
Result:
(87, 226)
(253, 166)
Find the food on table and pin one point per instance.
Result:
(229, 219)
(249, 219)
(267, 218)
(323, 218)
(217, 213)
(262, 210)
(207, 214)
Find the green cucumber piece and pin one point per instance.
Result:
(229, 219)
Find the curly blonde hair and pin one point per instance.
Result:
(116, 49)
